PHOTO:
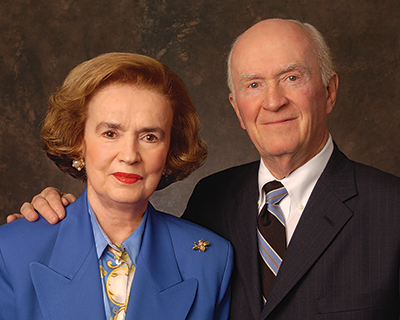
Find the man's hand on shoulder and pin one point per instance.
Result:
(49, 203)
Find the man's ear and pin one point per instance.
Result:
(331, 92)
(236, 108)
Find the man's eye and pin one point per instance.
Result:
(253, 85)
(292, 78)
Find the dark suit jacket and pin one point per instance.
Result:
(343, 259)
(52, 272)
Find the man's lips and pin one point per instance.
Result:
(128, 178)
(278, 121)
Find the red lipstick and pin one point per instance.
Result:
(128, 178)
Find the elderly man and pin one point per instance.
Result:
(316, 236)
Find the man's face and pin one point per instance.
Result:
(280, 98)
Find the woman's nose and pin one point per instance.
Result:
(129, 152)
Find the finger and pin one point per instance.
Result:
(67, 199)
(50, 191)
(55, 202)
(13, 217)
(45, 208)
(28, 211)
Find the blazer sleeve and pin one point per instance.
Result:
(224, 298)
(7, 301)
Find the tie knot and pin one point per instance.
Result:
(274, 191)
(120, 253)
(116, 248)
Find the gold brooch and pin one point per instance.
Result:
(201, 245)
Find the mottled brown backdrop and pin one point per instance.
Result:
(41, 40)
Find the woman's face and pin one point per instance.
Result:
(126, 142)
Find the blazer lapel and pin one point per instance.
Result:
(241, 218)
(158, 290)
(69, 287)
(323, 218)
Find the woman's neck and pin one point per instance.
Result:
(117, 220)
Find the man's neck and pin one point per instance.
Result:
(282, 166)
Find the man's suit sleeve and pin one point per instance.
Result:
(204, 205)
(208, 202)
(7, 300)
(194, 205)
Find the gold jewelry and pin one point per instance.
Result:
(78, 164)
(201, 245)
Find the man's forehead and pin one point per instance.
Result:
(283, 57)
(274, 29)
(266, 41)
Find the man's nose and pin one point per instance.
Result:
(274, 97)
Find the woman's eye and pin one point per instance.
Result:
(254, 85)
(109, 134)
(150, 137)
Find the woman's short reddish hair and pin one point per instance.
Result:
(63, 128)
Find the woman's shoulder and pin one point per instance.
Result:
(188, 237)
(25, 241)
(35, 236)
(199, 250)
(22, 231)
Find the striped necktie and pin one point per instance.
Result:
(271, 235)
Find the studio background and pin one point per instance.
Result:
(41, 41)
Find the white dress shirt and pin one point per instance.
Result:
(299, 184)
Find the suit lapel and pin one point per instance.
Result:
(241, 218)
(323, 218)
(158, 290)
(69, 287)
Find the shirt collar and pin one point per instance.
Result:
(132, 244)
(300, 182)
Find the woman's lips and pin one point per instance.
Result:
(128, 178)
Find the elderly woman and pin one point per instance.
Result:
(122, 123)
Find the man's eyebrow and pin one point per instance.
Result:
(295, 66)
(249, 76)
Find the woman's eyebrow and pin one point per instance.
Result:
(116, 126)
(108, 125)
(153, 129)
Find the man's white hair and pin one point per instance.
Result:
(319, 44)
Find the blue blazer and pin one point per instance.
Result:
(52, 272)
